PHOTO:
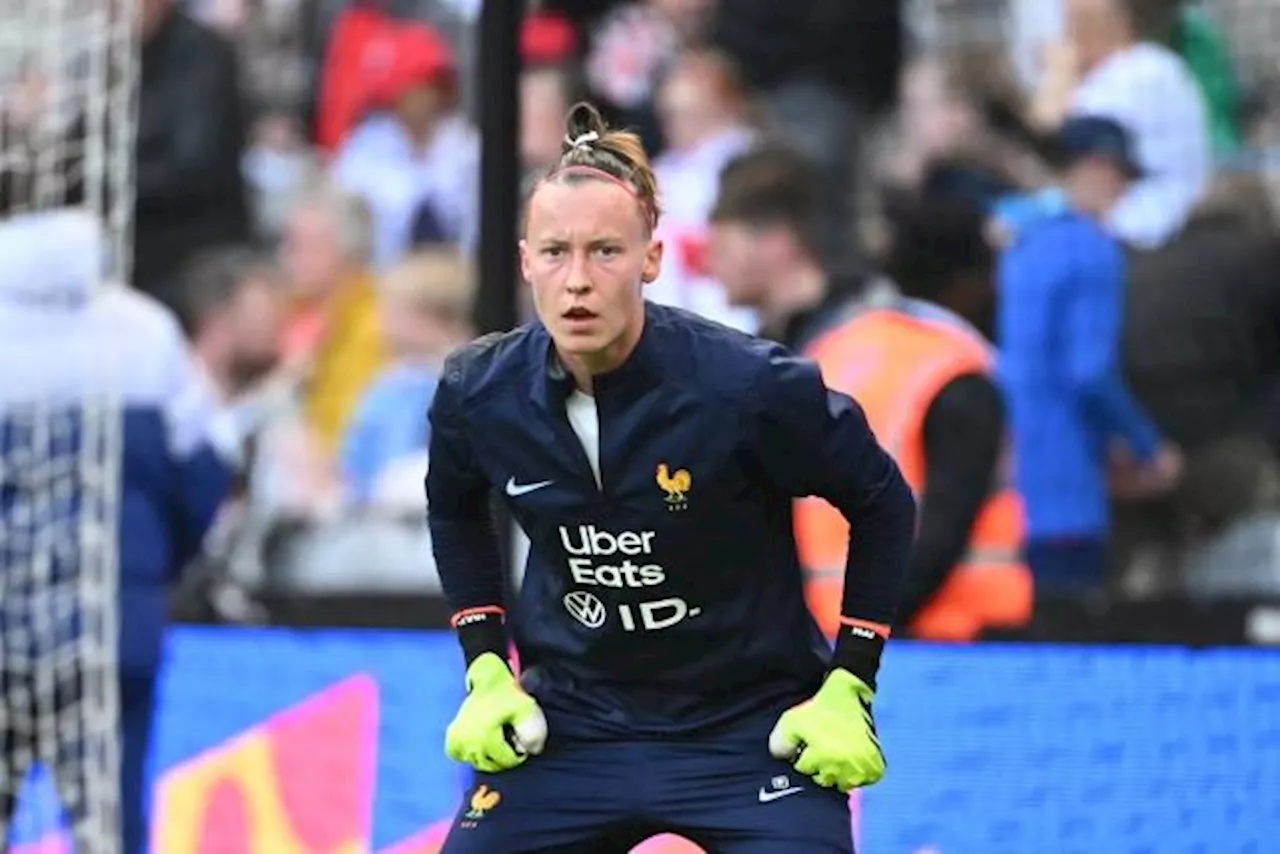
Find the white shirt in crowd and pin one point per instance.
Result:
(1148, 89)
(688, 182)
(381, 164)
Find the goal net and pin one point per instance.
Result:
(67, 89)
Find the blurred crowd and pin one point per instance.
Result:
(307, 204)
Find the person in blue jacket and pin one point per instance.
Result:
(1060, 323)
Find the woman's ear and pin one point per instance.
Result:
(652, 262)
(524, 260)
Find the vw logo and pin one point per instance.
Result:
(585, 608)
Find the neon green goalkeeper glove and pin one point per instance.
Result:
(832, 737)
(499, 726)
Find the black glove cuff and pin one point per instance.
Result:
(858, 651)
(481, 632)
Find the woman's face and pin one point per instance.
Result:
(587, 254)
(934, 119)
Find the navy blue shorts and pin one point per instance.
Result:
(722, 791)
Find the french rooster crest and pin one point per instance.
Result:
(483, 799)
(676, 484)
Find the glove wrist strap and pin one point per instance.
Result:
(480, 631)
(858, 650)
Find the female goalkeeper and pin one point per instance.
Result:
(673, 680)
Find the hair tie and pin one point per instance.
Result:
(582, 141)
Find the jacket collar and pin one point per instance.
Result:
(642, 369)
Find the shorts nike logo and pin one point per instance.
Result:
(767, 796)
(515, 490)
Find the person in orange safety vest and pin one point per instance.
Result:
(912, 355)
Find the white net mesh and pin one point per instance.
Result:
(68, 72)
(67, 89)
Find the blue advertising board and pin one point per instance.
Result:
(277, 740)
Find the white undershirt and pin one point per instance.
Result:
(585, 421)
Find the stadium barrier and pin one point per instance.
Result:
(276, 740)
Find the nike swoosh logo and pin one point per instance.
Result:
(515, 490)
(766, 797)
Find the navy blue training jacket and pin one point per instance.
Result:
(669, 598)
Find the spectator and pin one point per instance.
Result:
(545, 96)
(546, 92)
(820, 72)
(270, 38)
(547, 38)
(1203, 332)
(548, 85)
(1180, 25)
(1112, 66)
(969, 512)
(1232, 502)
(426, 302)
(349, 44)
(632, 47)
(277, 167)
(334, 337)
(418, 151)
(856, 49)
(945, 143)
(702, 112)
(233, 314)
(65, 339)
(1059, 327)
(1189, 33)
(1035, 30)
(920, 369)
(938, 118)
(1249, 27)
(190, 193)
(767, 247)
(232, 310)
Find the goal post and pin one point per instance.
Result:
(68, 89)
